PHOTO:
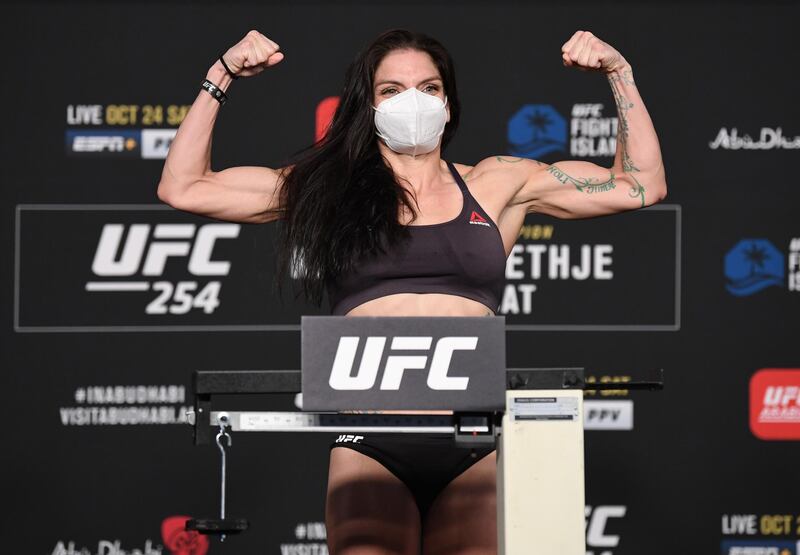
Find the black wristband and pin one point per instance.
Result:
(214, 91)
(232, 74)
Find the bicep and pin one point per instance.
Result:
(577, 189)
(249, 194)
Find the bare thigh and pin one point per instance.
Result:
(368, 510)
(463, 518)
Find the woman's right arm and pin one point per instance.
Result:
(240, 194)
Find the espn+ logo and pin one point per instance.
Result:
(145, 252)
(343, 379)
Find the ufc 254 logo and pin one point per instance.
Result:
(146, 254)
(343, 379)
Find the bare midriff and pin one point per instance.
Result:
(419, 304)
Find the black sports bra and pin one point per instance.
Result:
(464, 256)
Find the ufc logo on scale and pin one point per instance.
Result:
(146, 256)
(341, 377)
(403, 362)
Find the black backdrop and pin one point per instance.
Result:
(95, 459)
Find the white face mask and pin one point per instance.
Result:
(411, 122)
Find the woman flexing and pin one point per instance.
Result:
(375, 215)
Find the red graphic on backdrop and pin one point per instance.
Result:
(325, 110)
(775, 404)
(181, 541)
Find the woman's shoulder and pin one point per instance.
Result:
(463, 169)
(502, 169)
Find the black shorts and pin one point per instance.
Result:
(425, 464)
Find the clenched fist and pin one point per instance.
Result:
(587, 52)
(252, 55)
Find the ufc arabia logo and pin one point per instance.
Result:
(146, 255)
(342, 379)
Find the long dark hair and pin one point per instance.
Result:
(340, 197)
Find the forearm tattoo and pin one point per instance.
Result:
(637, 190)
(623, 105)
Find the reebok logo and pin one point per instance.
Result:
(477, 219)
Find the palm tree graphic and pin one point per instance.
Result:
(539, 121)
(756, 256)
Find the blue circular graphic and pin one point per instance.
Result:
(753, 265)
(535, 130)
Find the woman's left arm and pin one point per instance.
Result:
(576, 189)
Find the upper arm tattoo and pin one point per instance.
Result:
(637, 189)
(509, 159)
(587, 185)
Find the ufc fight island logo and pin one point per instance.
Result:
(144, 253)
(342, 379)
